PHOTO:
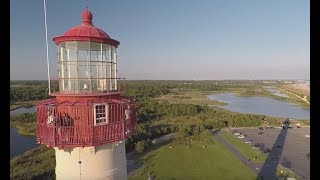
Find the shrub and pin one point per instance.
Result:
(141, 145)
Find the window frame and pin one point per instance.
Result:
(106, 106)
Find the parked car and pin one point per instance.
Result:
(260, 133)
(236, 133)
(261, 128)
(308, 156)
(248, 142)
(307, 135)
(241, 136)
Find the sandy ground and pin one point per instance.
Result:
(302, 86)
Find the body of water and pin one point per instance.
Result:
(18, 143)
(23, 110)
(260, 105)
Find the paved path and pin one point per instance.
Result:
(253, 166)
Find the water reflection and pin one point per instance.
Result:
(260, 105)
(20, 144)
(23, 110)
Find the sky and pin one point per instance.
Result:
(172, 40)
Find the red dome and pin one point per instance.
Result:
(86, 32)
(87, 17)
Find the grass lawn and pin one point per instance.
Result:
(245, 149)
(196, 162)
(286, 173)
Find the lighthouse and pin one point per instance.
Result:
(88, 120)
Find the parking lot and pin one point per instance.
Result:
(295, 145)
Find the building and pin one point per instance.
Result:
(88, 120)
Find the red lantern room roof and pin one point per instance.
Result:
(86, 32)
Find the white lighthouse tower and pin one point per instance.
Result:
(88, 119)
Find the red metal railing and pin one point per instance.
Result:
(79, 129)
(56, 136)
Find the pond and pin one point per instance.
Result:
(260, 105)
(23, 110)
(18, 143)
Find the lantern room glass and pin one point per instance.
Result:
(87, 67)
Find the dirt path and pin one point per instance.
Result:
(304, 98)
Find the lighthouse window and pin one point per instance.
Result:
(100, 114)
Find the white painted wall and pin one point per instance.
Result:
(106, 162)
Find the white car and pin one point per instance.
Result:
(307, 135)
(236, 133)
(248, 142)
(241, 136)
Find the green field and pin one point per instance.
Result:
(286, 173)
(25, 123)
(198, 97)
(293, 99)
(189, 97)
(26, 129)
(245, 149)
(196, 162)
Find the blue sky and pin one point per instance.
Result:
(181, 39)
